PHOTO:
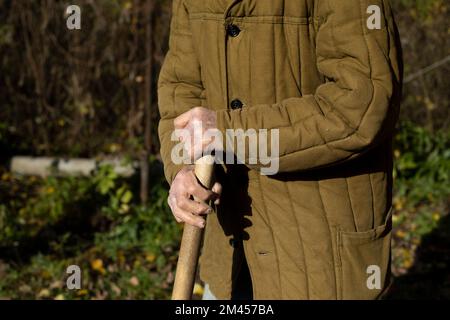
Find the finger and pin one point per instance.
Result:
(182, 120)
(200, 193)
(171, 201)
(217, 189)
(189, 218)
(194, 207)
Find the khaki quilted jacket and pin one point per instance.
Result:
(321, 227)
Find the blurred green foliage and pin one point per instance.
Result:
(125, 250)
(421, 202)
(422, 164)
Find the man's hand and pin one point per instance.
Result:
(199, 125)
(184, 208)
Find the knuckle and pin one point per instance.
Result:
(178, 213)
(171, 200)
(175, 201)
(199, 210)
(190, 221)
(177, 218)
(191, 189)
(206, 195)
(217, 188)
(181, 202)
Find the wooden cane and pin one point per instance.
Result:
(190, 242)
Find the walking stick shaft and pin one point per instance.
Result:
(190, 242)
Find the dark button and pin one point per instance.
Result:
(233, 30)
(236, 104)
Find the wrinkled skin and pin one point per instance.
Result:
(198, 126)
(185, 187)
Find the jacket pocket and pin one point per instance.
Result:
(364, 260)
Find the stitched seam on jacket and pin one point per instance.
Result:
(268, 19)
(273, 237)
(223, 73)
(364, 34)
(331, 238)
(373, 201)
(289, 47)
(301, 242)
(181, 33)
(251, 48)
(351, 205)
(274, 63)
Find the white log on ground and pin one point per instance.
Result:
(47, 166)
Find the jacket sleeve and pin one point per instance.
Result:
(349, 113)
(179, 84)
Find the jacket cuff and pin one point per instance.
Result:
(171, 171)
